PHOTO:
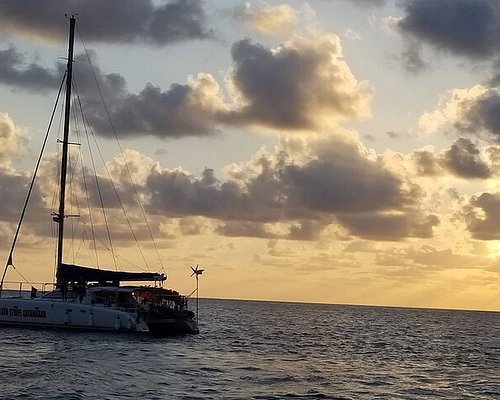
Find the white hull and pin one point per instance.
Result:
(68, 314)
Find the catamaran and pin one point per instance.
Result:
(92, 298)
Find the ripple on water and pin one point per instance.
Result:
(259, 350)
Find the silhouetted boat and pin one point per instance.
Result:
(90, 298)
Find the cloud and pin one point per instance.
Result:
(269, 20)
(427, 163)
(427, 256)
(176, 193)
(482, 214)
(483, 114)
(474, 111)
(13, 141)
(394, 227)
(302, 191)
(464, 27)
(307, 230)
(334, 183)
(14, 184)
(368, 3)
(412, 60)
(341, 179)
(302, 84)
(463, 159)
(34, 77)
(247, 229)
(13, 189)
(182, 110)
(112, 21)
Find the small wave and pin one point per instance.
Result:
(352, 353)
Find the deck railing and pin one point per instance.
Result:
(24, 289)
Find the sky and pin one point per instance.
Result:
(333, 151)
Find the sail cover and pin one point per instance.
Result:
(76, 273)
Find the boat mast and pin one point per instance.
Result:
(59, 218)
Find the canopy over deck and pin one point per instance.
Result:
(76, 273)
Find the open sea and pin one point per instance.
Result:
(266, 350)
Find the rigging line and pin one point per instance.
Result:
(87, 197)
(122, 152)
(82, 242)
(101, 202)
(73, 161)
(32, 184)
(121, 205)
(118, 256)
(98, 188)
(129, 223)
(23, 277)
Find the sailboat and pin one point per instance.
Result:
(86, 298)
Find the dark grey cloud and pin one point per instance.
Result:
(343, 185)
(464, 27)
(482, 215)
(175, 193)
(277, 197)
(427, 163)
(268, 84)
(482, 115)
(14, 71)
(367, 3)
(432, 257)
(411, 58)
(474, 112)
(170, 113)
(341, 180)
(390, 227)
(307, 230)
(493, 154)
(297, 86)
(304, 84)
(13, 189)
(176, 112)
(463, 159)
(115, 21)
(37, 220)
(246, 229)
(339, 185)
(427, 257)
(394, 135)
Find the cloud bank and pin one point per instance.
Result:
(111, 21)
(468, 28)
(303, 84)
(338, 185)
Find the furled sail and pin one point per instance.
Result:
(76, 273)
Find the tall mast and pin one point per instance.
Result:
(65, 142)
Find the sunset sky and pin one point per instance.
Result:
(337, 151)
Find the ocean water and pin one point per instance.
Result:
(266, 350)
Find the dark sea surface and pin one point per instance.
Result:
(265, 350)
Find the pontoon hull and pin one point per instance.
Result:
(171, 326)
(73, 315)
